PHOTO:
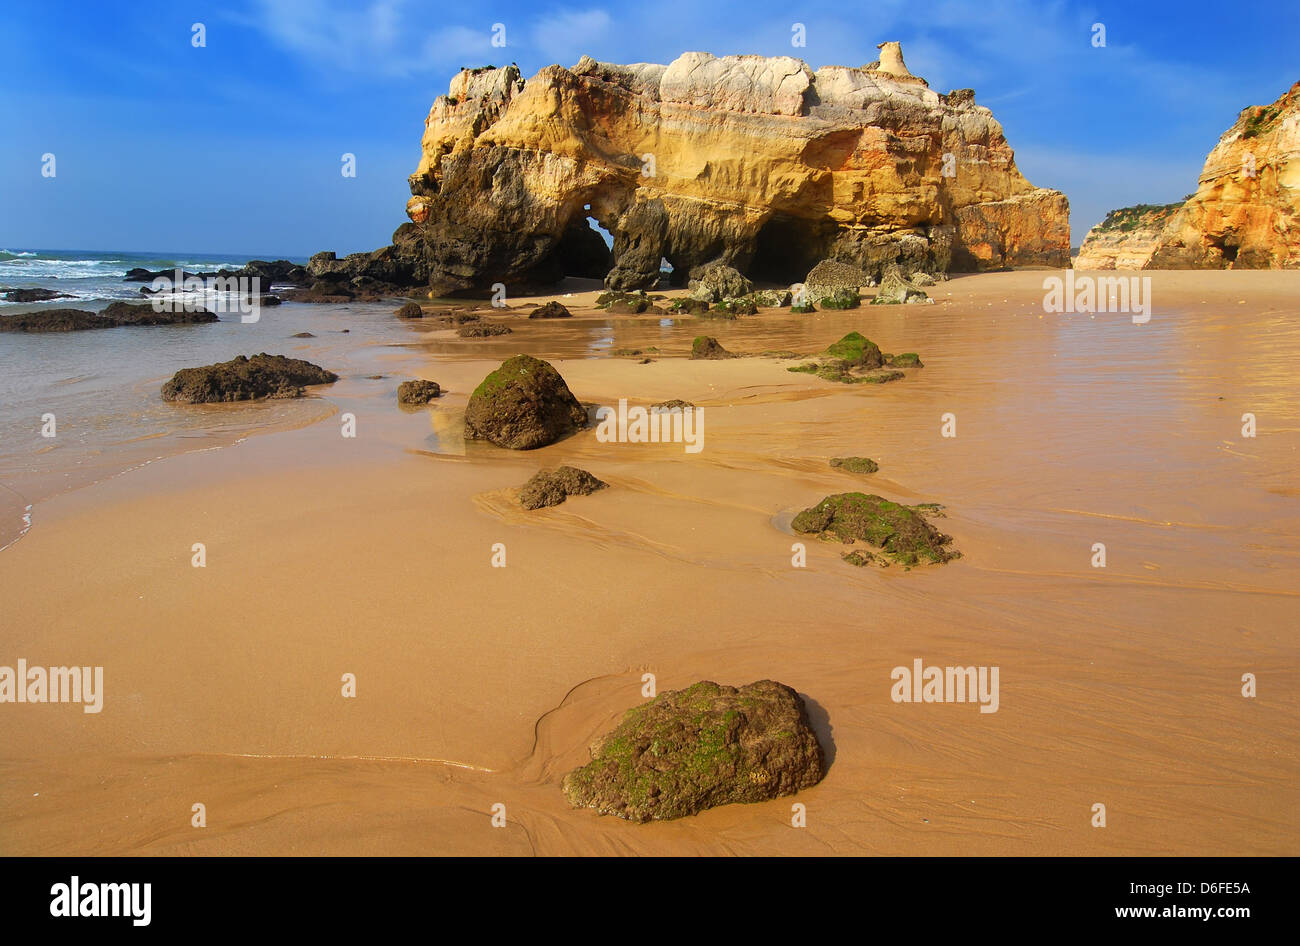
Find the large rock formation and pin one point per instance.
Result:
(759, 164)
(1245, 213)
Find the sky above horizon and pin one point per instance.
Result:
(235, 148)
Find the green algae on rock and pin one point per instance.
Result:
(522, 405)
(706, 347)
(854, 359)
(707, 745)
(855, 464)
(886, 532)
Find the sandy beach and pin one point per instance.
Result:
(481, 685)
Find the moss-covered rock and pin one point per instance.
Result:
(707, 347)
(411, 310)
(886, 532)
(841, 299)
(687, 306)
(552, 487)
(908, 359)
(855, 464)
(707, 745)
(522, 405)
(803, 309)
(735, 307)
(854, 359)
(245, 379)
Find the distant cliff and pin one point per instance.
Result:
(760, 163)
(1245, 213)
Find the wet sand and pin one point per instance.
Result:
(479, 685)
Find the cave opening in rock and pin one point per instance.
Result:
(786, 248)
(585, 249)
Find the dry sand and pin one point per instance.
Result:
(481, 685)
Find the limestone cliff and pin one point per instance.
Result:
(1245, 213)
(1126, 238)
(762, 164)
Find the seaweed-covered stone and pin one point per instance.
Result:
(675, 404)
(736, 307)
(522, 405)
(908, 359)
(857, 350)
(707, 745)
(803, 309)
(887, 531)
(895, 290)
(773, 298)
(707, 347)
(482, 329)
(552, 487)
(411, 310)
(841, 299)
(418, 392)
(855, 464)
(854, 359)
(623, 303)
(551, 310)
(688, 305)
(245, 379)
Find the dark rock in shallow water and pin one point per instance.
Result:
(411, 310)
(34, 295)
(908, 359)
(522, 405)
(483, 330)
(889, 532)
(552, 310)
(552, 487)
(855, 464)
(116, 315)
(304, 335)
(707, 347)
(707, 745)
(245, 379)
(417, 392)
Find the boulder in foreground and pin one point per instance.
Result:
(707, 745)
(245, 379)
(552, 487)
(522, 405)
(884, 532)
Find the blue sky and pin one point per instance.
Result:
(235, 148)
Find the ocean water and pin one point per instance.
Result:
(94, 276)
(103, 386)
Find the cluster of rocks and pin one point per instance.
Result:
(245, 379)
(33, 295)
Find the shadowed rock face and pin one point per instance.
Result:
(759, 164)
(707, 745)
